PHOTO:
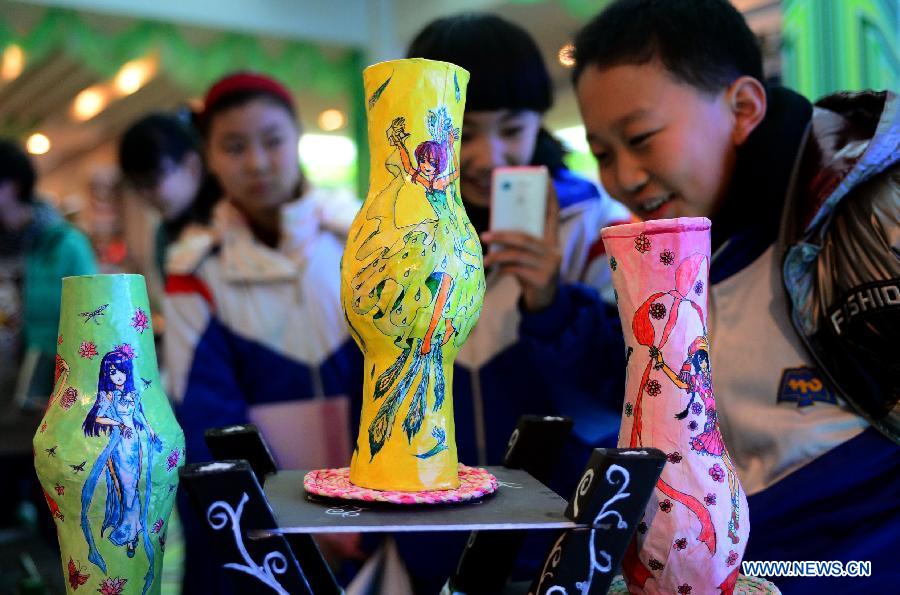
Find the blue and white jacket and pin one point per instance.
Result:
(257, 334)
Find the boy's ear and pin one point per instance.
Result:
(747, 99)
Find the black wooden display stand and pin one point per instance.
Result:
(230, 500)
(610, 500)
(487, 561)
(263, 538)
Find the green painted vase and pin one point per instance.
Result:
(108, 449)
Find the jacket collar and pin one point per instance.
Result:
(748, 222)
(854, 136)
(244, 258)
(763, 169)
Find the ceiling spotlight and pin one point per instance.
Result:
(331, 119)
(567, 55)
(37, 144)
(133, 75)
(13, 62)
(89, 103)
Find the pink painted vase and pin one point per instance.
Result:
(695, 527)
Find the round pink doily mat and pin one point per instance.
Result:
(335, 483)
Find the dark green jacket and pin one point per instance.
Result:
(57, 250)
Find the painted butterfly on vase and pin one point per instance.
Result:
(76, 577)
(51, 452)
(77, 468)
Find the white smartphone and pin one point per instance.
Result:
(519, 199)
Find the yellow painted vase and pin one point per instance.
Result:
(412, 280)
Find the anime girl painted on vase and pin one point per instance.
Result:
(695, 378)
(431, 269)
(117, 415)
(432, 156)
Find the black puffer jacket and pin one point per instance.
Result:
(840, 237)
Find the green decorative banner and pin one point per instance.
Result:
(300, 65)
(194, 66)
(579, 9)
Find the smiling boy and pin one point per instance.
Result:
(805, 206)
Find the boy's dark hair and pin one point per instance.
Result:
(507, 71)
(506, 67)
(150, 140)
(16, 166)
(704, 43)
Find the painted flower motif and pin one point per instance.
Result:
(642, 243)
(629, 409)
(642, 528)
(674, 457)
(685, 589)
(69, 397)
(657, 311)
(612, 263)
(710, 499)
(692, 425)
(717, 473)
(112, 586)
(140, 321)
(667, 257)
(157, 526)
(696, 408)
(655, 564)
(60, 489)
(172, 459)
(654, 388)
(680, 543)
(126, 350)
(665, 505)
(87, 350)
(162, 543)
(43, 427)
(59, 340)
(698, 287)
(732, 558)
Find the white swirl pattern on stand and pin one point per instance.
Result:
(219, 515)
(596, 565)
(606, 565)
(345, 511)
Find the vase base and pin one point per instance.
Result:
(746, 585)
(474, 483)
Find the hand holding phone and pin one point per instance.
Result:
(523, 236)
(519, 199)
